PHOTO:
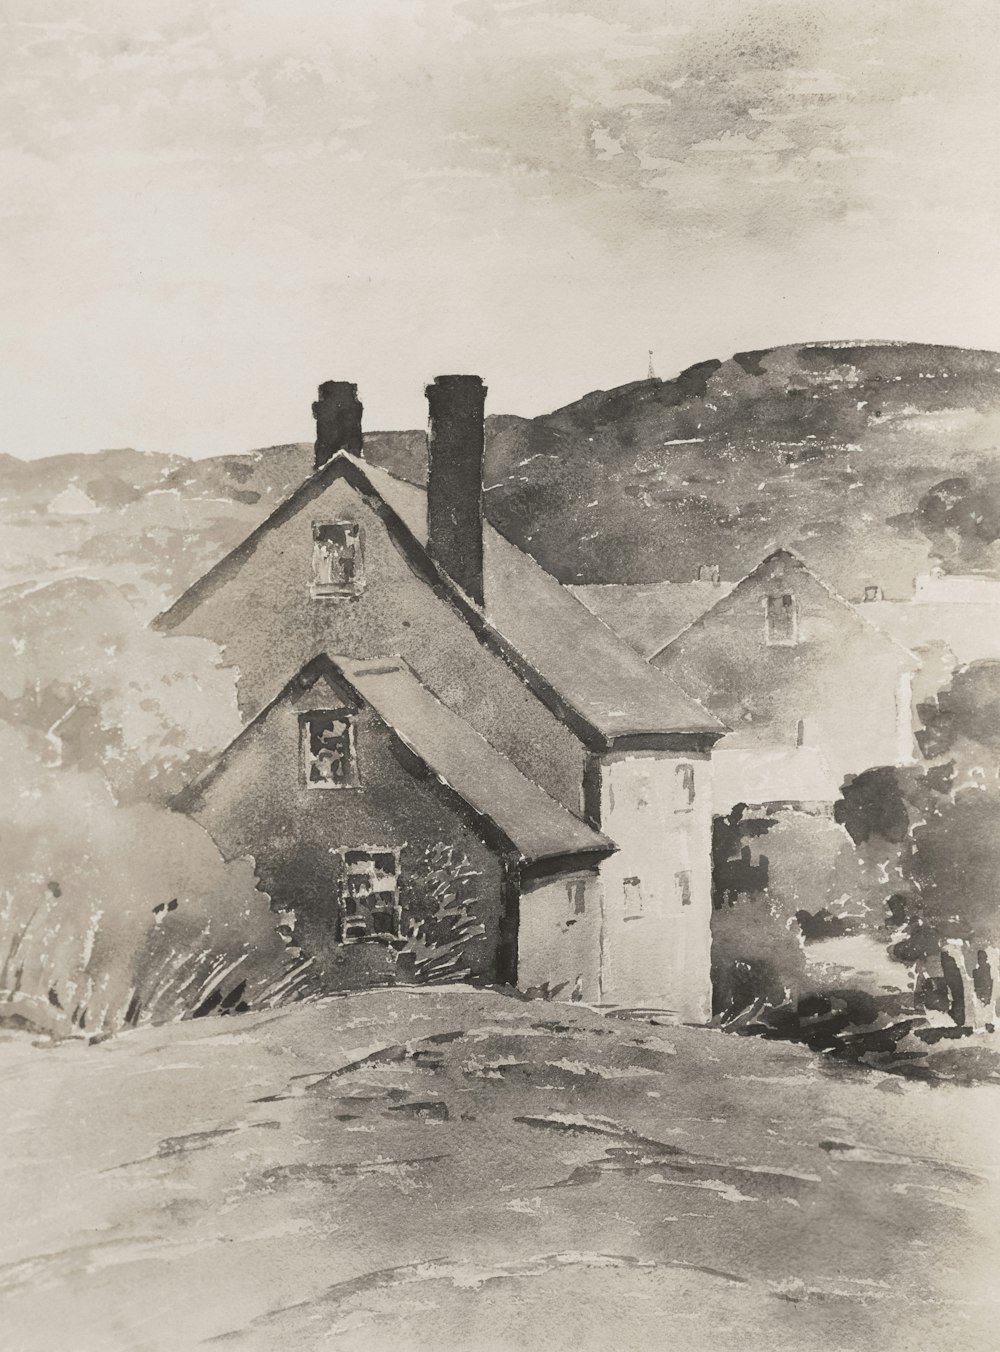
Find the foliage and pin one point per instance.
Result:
(757, 957)
(114, 915)
(110, 694)
(930, 834)
(440, 898)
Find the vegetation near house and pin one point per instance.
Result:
(114, 909)
(909, 866)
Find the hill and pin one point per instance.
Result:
(453, 1169)
(872, 460)
(832, 449)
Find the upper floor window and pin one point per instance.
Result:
(683, 787)
(328, 754)
(633, 897)
(682, 886)
(368, 896)
(781, 620)
(337, 558)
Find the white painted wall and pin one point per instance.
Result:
(660, 956)
(636, 944)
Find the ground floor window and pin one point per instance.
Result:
(369, 895)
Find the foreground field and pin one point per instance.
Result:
(458, 1170)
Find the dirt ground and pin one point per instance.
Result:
(460, 1170)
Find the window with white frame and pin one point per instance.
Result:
(329, 759)
(633, 897)
(781, 620)
(337, 559)
(682, 887)
(369, 898)
(683, 787)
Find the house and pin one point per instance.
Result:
(949, 620)
(785, 661)
(358, 564)
(363, 799)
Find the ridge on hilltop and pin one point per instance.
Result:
(874, 460)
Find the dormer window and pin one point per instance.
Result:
(337, 559)
(683, 787)
(327, 747)
(781, 620)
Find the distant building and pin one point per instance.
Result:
(783, 660)
(395, 588)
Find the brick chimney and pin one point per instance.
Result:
(455, 449)
(338, 420)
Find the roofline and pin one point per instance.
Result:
(423, 565)
(792, 553)
(323, 665)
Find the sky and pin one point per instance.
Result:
(210, 206)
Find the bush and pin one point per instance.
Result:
(439, 904)
(116, 915)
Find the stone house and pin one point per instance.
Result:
(361, 567)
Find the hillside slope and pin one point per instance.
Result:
(872, 460)
(830, 449)
(453, 1170)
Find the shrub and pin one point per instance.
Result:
(115, 915)
(439, 905)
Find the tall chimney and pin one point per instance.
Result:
(338, 420)
(455, 450)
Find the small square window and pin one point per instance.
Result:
(577, 895)
(633, 897)
(682, 887)
(368, 896)
(328, 754)
(337, 559)
(683, 787)
(781, 620)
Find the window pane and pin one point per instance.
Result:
(682, 887)
(633, 896)
(328, 744)
(781, 619)
(368, 908)
(337, 559)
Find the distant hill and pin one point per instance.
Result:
(870, 459)
(829, 448)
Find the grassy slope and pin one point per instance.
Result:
(456, 1170)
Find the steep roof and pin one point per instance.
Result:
(648, 615)
(613, 688)
(528, 616)
(536, 825)
(783, 555)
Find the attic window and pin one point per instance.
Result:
(328, 754)
(781, 621)
(683, 787)
(368, 896)
(337, 559)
